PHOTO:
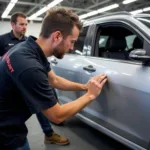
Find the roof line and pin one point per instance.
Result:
(110, 14)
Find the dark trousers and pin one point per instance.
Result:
(45, 124)
(24, 147)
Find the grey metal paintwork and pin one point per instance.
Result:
(124, 103)
(122, 110)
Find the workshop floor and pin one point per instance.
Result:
(82, 137)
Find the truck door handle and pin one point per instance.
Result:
(54, 61)
(89, 68)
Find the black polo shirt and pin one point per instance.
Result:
(24, 90)
(7, 41)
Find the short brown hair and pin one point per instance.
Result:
(16, 15)
(59, 19)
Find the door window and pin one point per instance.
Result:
(80, 42)
(116, 42)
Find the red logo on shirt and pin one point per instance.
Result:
(6, 57)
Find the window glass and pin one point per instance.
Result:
(102, 41)
(129, 41)
(116, 42)
(80, 42)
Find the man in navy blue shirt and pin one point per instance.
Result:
(7, 41)
(27, 81)
(17, 35)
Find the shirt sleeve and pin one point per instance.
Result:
(48, 68)
(36, 91)
(1, 46)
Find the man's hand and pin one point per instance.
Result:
(85, 87)
(58, 113)
(95, 85)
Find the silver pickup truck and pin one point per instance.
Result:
(118, 45)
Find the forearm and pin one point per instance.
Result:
(68, 110)
(59, 113)
(64, 84)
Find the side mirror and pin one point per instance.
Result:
(78, 52)
(140, 55)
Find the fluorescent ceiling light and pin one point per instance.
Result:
(38, 13)
(88, 14)
(146, 9)
(54, 3)
(44, 9)
(36, 19)
(14, 1)
(108, 8)
(92, 13)
(128, 1)
(140, 10)
(83, 16)
(9, 8)
(136, 11)
(95, 12)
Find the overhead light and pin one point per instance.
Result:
(146, 9)
(44, 9)
(128, 1)
(136, 11)
(9, 8)
(8, 17)
(92, 13)
(140, 10)
(107, 8)
(38, 13)
(14, 1)
(54, 3)
(88, 14)
(36, 19)
(83, 16)
(95, 12)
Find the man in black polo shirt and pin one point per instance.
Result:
(27, 80)
(7, 41)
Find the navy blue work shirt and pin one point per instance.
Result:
(7, 41)
(24, 90)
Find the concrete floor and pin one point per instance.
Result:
(82, 137)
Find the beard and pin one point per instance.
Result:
(20, 34)
(59, 51)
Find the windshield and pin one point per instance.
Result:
(144, 20)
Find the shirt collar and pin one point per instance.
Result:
(31, 41)
(13, 37)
